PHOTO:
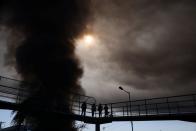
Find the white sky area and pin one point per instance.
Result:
(148, 125)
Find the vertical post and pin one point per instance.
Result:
(168, 106)
(123, 111)
(97, 127)
(111, 111)
(178, 107)
(146, 107)
(194, 99)
(131, 125)
(130, 109)
(127, 109)
(129, 102)
(79, 105)
(157, 110)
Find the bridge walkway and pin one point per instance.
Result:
(181, 107)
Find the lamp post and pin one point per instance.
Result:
(129, 101)
(126, 92)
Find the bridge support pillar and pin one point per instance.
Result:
(97, 127)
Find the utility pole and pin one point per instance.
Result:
(97, 127)
(129, 102)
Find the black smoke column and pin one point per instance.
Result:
(44, 55)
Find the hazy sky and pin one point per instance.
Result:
(145, 46)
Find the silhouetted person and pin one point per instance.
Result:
(93, 109)
(106, 110)
(100, 108)
(83, 108)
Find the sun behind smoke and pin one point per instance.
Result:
(87, 40)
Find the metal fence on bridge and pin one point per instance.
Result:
(10, 89)
(157, 106)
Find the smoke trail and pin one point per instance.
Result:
(44, 53)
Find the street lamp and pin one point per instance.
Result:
(126, 92)
(129, 101)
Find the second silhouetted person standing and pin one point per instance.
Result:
(100, 108)
(93, 109)
(83, 108)
(106, 110)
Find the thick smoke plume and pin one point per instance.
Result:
(146, 46)
(43, 33)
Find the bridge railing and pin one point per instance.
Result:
(157, 106)
(77, 109)
(10, 89)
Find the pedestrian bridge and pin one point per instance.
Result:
(165, 108)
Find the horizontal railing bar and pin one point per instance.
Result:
(155, 103)
(162, 98)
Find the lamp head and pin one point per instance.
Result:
(120, 88)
